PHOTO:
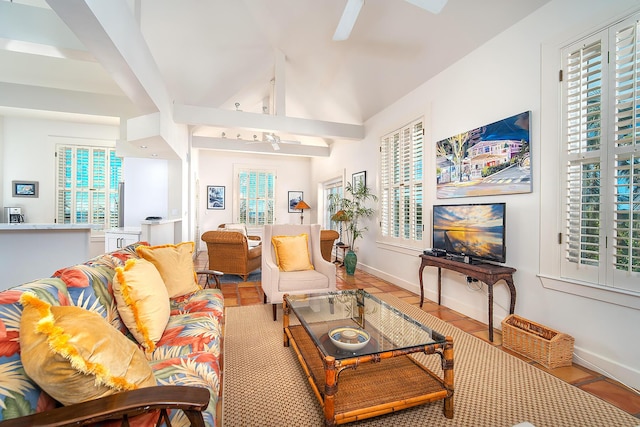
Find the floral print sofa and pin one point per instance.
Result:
(186, 353)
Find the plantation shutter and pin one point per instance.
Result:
(256, 197)
(401, 195)
(624, 151)
(330, 188)
(87, 180)
(601, 110)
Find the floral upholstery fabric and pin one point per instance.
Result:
(200, 369)
(189, 333)
(203, 301)
(187, 353)
(19, 395)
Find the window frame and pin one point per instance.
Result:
(237, 196)
(401, 172)
(112, 169)
(602, 281)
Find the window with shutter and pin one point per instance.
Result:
(87, 190)
(256, 196)
(401, 194)
(601, 126)
(332, 187)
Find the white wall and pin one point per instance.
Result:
(29, 147)
(216, 168)
(146, 189)
(498, 80)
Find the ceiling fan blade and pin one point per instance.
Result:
(348, 19)
(433, 6)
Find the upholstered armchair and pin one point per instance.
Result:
(298, 267)
(229, 252)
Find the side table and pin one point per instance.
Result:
(344, 250)
(486, 273)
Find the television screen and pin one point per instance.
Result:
(473, 230)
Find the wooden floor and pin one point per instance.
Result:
(238, 294)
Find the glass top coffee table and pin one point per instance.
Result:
(355, 350)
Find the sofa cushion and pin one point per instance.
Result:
(90, 287)
(143, 301)
(175, 264)
(292, 252)
(75, 355)
(204, 301)
(189, 333)
(200, 369)
(20, 394)
(241, 228)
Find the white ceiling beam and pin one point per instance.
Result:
(229, 144)
(216, 117)
(64, 101)
(110, 31)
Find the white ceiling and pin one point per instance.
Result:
(216, 53)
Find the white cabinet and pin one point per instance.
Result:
(118, 238)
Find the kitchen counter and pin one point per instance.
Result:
(31, 251)
(37, 226)
(162, 231)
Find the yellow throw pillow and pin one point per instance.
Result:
(75, 355)
(175, 264)
(292, 252)
(143, 301)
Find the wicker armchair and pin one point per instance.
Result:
(229, 252)
(327, 237)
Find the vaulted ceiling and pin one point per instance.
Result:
(219, 65)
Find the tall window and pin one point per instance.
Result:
(401, 199)
(87, 180)
(601, 157)
(333, 187)
(256, 196)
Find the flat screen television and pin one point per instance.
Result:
(476, 231)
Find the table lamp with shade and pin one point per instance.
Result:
(302, 206)
(340, 216)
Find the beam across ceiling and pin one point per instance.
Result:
(226, 144)
(216, 117)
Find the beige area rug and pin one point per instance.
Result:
(264, 385)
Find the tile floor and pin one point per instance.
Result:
(593, 382)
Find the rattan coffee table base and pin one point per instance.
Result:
(371, 389)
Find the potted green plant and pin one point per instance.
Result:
(351, 208)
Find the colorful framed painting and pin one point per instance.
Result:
(490, 160)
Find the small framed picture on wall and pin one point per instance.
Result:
(359, 178)
(215, 196)
(294, 198)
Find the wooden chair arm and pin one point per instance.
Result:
(123, 406)
(211, 273)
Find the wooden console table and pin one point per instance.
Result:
(486, 273)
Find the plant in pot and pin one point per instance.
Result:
(351, 209)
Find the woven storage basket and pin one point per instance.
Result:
(550, 348)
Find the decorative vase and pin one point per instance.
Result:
(350, 261)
